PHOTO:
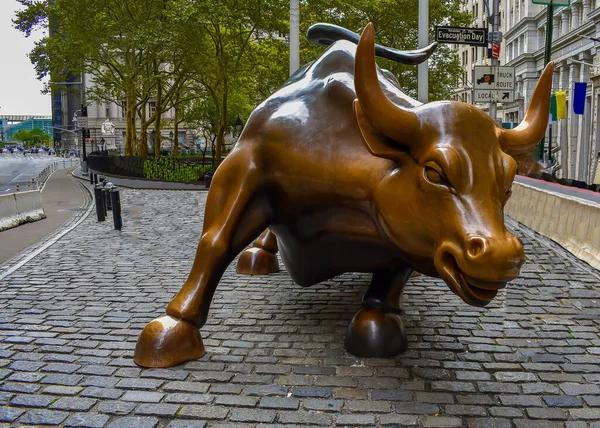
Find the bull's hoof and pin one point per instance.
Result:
(168, 341)
(375, 333)
(256, 261)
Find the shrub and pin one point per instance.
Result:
(168, 169)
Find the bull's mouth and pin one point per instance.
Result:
(474, 291)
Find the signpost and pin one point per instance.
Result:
(462, 36)
(492, 84)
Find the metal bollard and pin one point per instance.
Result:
(105, 196)
(91, 177)
(99, 203)
(95, 178)
(107, 188)
(116, 208)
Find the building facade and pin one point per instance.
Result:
(575, 140)
(11, 124)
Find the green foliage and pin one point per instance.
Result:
(33, 137)
(169, 169)
(396, 26)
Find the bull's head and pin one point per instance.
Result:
(442, 199)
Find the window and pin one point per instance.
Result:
(151, 108)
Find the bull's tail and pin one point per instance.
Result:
(327, 34)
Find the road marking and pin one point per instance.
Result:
(15, 179)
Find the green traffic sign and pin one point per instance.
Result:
(553, 2)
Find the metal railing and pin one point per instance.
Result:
(37, 182)
(166, 168)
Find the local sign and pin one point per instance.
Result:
(493, 84)
(462, 36)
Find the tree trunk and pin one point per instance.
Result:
(157, 137)
(130, 124)
(176, 133)
(143, 146)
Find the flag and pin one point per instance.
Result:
(579, 97)
(561, 104)
(553, 108)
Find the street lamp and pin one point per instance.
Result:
(239, 124)
(171, 137)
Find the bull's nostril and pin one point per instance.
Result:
(475, 247)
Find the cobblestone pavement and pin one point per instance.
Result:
(71, 316)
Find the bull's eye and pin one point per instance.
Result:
(434, 174)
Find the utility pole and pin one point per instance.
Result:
(423, 83)
(495, 61)
(294, 36)
(547, 54)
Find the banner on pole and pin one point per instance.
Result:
(579, 97)
(561, 104)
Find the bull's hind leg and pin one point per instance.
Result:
(236, 213)
(377, 329)
(260, 258)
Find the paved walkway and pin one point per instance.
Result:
(69, 321)
(62, 197)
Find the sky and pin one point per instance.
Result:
(20, 91)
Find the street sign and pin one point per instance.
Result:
(493, 84)
(461, 35)
(496, 36)
(495, 49)
(486, 77)
(487, 96)
(553, 2)
(82, 122)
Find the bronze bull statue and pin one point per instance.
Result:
(342, 172)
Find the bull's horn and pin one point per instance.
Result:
(391, 120)
(531, 130)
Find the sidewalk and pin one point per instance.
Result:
(275, 356)
(62, 198)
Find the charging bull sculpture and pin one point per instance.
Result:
(342, 172)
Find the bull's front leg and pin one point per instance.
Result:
(377, 329)
(236, 213)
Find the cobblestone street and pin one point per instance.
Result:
(71, 316)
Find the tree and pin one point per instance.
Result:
(224, 59)
(114, 44)
(396, 25)
(34, 137)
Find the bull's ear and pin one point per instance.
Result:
(378, 144)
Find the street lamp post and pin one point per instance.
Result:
(171, 137)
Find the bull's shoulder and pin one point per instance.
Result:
(325, 85)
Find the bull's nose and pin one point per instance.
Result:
(505, 254)
(476, 246)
